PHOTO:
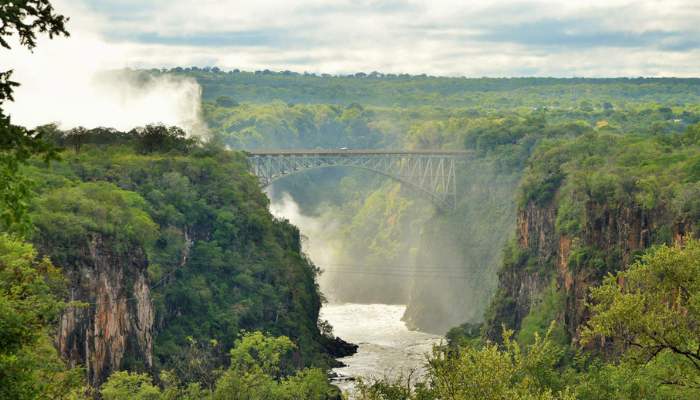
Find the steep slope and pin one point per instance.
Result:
(170, 243)
(589, 206)
(98, 233)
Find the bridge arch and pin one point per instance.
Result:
(429, 172)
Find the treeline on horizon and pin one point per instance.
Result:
(389, 75)
(391, 90)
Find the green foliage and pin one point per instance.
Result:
(27, 18)
(258, 371)
(72, 215)
(399, 388)
(403, 90)
(486, 372)
(570, 216)
(279, 125)
(29, 364)
(538, 321)
(590, 259)
(578, 144)
(651, 312)
(218, 262)
(174, 390)
(163, 139)
(17, 144)
(123, 385)
(199, 364)
(602, 169)
(221, 264)
(255, 350)
(494, 373)
(624, 381)
(466, 334)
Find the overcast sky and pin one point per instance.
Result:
(455, 38)
(473, 38)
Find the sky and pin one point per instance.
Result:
(454, 38)
(472, 38)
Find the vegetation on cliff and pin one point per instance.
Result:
(261, 367)
(218, 262)
(170, 256)
(645, 317)
(30, 302)
(589, 206)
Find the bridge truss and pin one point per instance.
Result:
(429, 172)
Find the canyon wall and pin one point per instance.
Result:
(542, 255)
(114, 328)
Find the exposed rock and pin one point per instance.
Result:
(535, 230)
(613, 233)
(338, 347)
(115, 328)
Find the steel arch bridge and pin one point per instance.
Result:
(430, 172)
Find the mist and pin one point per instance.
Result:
(84, 80)
(97, 99)
(345, 278)
(316, 234)
(394, 247)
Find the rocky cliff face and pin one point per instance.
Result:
(608, 241)
(520, 285)
(115, 328)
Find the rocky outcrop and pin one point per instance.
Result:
(113, 328)
(535, 231)
(608, 241)
(520, 284)
(338, 348)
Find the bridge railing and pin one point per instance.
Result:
(431, 172)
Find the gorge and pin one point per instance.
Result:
(175, 259)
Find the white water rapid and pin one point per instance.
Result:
(387, 347)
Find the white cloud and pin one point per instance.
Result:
(442, 37)
(439, 37)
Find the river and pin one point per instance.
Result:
(386, 347)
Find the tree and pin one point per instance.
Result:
(124, 385)
(487, 372)
(651, 313)
(161, 138)
(29, 364)
(490, 372)
(258, 371)
(198, 363)
(25, 19)
(226, 101)
(255, 364)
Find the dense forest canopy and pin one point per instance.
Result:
(389, 90)
(584, 148)
(146, 263)
(220, 265)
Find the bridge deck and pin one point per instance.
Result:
(431, 172)
(355, 152)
